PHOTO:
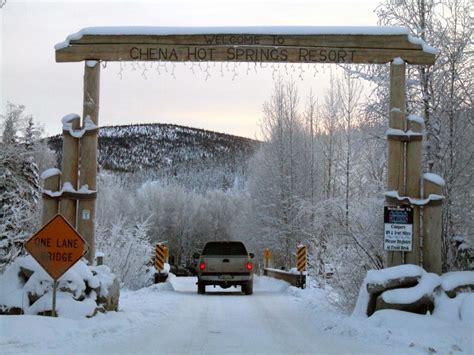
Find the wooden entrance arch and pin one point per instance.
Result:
(373, 45)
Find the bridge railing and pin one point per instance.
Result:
(297, 276)
(295, 279)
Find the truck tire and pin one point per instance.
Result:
(201, 288)
(248, 288)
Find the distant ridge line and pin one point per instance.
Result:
(180, 126)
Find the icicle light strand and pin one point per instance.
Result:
(231, 70)
(120, 73)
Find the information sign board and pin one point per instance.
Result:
(398, 228)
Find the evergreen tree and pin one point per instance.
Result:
(10, 123)
(19, 201)
(19, 187)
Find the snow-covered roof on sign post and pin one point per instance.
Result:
(293, 44)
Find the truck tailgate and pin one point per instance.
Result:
(225, 264)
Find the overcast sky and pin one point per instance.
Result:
(229, 101)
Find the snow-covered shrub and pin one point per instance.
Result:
(132, 217)
(340, 255)
(126, 249)
(463, 258)
(187, 219)
(82, 291)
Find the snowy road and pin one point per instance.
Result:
(172, 318)
(226, 321)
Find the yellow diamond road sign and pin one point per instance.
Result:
(56, 246)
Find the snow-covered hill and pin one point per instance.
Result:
(164, 146)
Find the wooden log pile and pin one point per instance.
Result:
(409, 288)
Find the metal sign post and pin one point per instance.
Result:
(267, 253)
(55, 288)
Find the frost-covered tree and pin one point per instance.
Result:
(19, 197)
(281, 172)
(349, 89)
(10, 123)
(127, 249)
(329, 116)
(22, 156)
(182, 219)
(22, 130)
(301, 187)
(31, 133)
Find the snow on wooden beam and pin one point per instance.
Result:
(69, 192)
(432, 199)
(377, 45)
(403, 136)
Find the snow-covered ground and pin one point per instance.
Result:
(171, 318)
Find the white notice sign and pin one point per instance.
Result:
(86, 214)
(398, 228)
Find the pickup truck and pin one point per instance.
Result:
(225, 264)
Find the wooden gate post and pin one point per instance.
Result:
(50, 205)
(413, 184)
(88, 154)
(70, 167)
(432, 224)
(396, 149)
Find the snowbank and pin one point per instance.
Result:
(466, 310)
(421, 334)
(166, 269)
(82, 291)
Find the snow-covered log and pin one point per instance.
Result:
(410, 288)
(456, 282)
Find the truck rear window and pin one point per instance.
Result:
(224, 248)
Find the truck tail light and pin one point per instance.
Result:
(202, 265)
(249, 266)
